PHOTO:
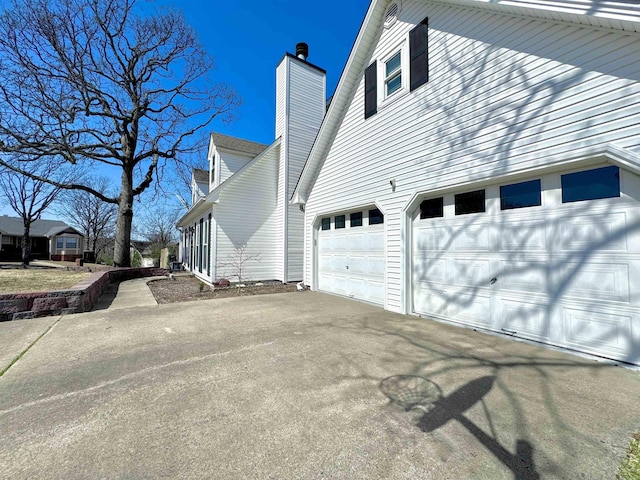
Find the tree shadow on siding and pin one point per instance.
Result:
(575, 264)
(497, 96)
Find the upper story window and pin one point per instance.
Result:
(393, 74)
(412, 56)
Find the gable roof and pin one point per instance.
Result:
(269, 154)
(39, 228)
(226, 142)
(200, 176)
(621, 15)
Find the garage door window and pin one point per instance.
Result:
(432, 208)
(470, 202)
(591, 184)
(356, 219)
(521, 195)
(375, 217)
(340, 221)
(326, 223)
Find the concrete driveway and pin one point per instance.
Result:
(302, 385)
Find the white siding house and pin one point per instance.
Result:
(479, 164)
(243, 227)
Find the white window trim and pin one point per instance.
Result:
(383, 99)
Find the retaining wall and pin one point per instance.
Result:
(77, 299)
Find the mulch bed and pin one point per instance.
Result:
(188, 288)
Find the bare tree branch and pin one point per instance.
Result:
(96, 83)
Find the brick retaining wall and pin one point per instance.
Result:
(77, 299)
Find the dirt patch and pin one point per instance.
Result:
(37, 279)
(188, 288)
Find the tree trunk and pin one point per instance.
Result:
(121, 250)
(26, 244)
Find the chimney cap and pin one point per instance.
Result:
(302, 51)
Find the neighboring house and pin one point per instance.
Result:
(241, 225)
(479, 164)
(50, 239)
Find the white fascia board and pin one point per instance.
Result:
(271, 153)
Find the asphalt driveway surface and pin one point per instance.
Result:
(303, 385)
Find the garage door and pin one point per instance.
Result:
(351, 255)
(554, 259)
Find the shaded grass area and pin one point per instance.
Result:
(630, 468)
(37, 279)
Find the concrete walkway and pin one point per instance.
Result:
(127, 294)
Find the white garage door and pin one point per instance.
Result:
(351, 256)
(560, 266)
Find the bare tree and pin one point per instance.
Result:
(92, 216)
(158, 225)
(29, 198)
(235, 264)
(101, 82)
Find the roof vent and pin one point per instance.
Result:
(392, 14)
(302, 51)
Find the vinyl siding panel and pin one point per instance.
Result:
(305, 113)
(246, 216)
(230, 163)
(505, 93)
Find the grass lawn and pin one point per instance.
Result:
(630, 469)
(37, 280)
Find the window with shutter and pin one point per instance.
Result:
(370, 90)
(419, 54)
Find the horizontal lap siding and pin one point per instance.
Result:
(246, 215)
(505, 93)
(230, 163)
(305, 113)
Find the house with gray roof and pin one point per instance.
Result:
(50, 239)
(240, 225)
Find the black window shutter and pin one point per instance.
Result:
(370, 90)
(419, 54)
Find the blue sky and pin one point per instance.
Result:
(248, 38)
